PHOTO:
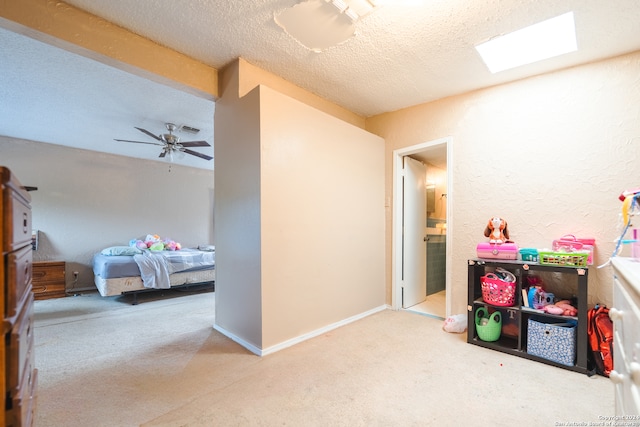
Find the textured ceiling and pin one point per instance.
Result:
(50, 95)
(406, 53)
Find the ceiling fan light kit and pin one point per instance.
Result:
(172, 147)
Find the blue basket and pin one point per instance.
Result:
(552, 341)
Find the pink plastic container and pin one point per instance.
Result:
(571, 243)
(497, 250)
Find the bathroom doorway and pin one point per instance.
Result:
(436, 155)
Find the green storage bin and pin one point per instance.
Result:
(488, 326)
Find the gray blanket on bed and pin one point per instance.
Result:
(155, 267)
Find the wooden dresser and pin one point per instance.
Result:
(18, 377)
(48, 279)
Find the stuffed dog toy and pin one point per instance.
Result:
(496, 230)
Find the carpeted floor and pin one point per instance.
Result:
(104, 362)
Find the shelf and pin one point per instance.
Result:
(571, 283)
(525, 310)
(504, 343)
(529, 310)
(523, 263)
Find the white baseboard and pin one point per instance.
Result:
(252, 348)
(288, 343)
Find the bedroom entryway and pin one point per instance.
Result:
(432, 231)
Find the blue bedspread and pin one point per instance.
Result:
(155, 267)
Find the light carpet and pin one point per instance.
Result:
(104, 362)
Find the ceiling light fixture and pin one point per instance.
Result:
(354, 9)
(321, 24)
(546, 39)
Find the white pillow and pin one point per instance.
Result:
(121, 250)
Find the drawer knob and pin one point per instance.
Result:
(616, 377)
(634, 369)
(615, 314)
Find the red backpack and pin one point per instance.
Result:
(600, 333)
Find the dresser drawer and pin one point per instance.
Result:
(628, 321)
(49, 279)
(49, 290)
(625, 314)
(17, 220)
(625, 377)
(19, 355)
(23, 403)
(19, 265)
(48, 271)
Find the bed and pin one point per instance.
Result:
(122, 270)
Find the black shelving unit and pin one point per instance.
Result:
(564, 281)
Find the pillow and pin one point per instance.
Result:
(207, 248)
(121, 250)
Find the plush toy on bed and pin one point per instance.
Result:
(153, 242)
(496, 230)
(170, 245)
(137, 243)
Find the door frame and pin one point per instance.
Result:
(396, 237)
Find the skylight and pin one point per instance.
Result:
(546, 39)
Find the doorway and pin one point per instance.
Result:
(436, 153)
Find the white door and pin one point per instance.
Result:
(414, 245)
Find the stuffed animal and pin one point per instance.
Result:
(156, 246)
(170, 245)
(563, 308)
(496, 230)
(137, 243)
(153, 242)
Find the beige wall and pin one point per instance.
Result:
(550, 154)
(87, 201)
(322, 219)
(309, 191)
(238, 304)
(253, 76)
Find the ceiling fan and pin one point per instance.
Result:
(171, 144)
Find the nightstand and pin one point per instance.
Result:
(48, 279)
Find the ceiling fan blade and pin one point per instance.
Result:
(195, 144)
(138, 142)
(164, 153)
(149, 133)
(195, 153)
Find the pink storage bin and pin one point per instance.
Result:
(497, 250)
